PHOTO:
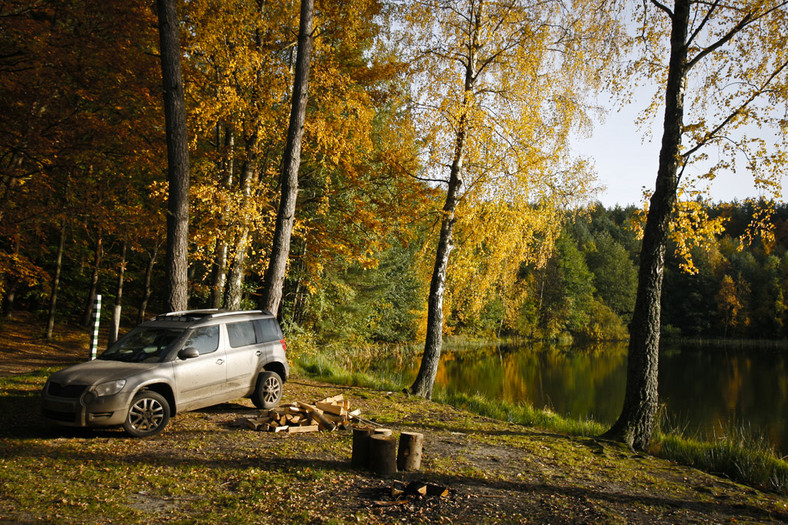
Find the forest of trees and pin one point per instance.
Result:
(83, 197)
(391, 171)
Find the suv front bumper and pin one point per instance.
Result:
(84, 409)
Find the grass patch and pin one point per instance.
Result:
(737, 455)
(521, 414)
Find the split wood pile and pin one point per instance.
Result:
(329, 414)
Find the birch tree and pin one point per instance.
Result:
(498, 88)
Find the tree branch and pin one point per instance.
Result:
(663, 7)
(748, 18)
(709, 136)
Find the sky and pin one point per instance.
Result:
(626, 161)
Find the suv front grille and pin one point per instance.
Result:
(70, 391)
(68, 417)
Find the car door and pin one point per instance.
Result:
(242, 355)
(201, 381)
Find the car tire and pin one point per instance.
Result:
(148, 414)
(268, 391)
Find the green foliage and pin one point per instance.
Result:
(615, 275)
(356, 305)
(738, 290)
(587, 287)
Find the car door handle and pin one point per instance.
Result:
(258, 353)
(219, 361)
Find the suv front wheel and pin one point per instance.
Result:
(148, 414)
(268, 392)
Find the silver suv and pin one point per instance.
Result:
(176, 362)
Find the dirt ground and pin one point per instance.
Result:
(496, 472)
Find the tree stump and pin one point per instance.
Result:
(383, 454)
(360, 455)
(381, 432)
(409, 455)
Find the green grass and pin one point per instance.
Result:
(521, 414)
(736, 454)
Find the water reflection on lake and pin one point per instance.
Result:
(702, 389)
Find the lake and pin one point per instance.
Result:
(703, 389)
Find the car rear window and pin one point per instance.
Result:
(267, 330)
(241, 334)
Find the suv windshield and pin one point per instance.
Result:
(142, 344)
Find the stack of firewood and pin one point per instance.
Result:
(330, 413)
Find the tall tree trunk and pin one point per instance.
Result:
(635, 425)
(148, 276)
(177, 157)
(9, 297)
(238, 270)
(61, 245)
(280, 249)
(236, 279)
(11, 283)
(428, 369)
(219, 280)
(113, 335)
(87, 311)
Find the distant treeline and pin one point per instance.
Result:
(738, 289)
(584, 291)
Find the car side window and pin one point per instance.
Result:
(241, 334)
(267, 331)
(205, 339)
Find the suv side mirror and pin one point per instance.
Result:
(188, 353)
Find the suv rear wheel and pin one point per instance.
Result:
(148, 414)
(268, 392)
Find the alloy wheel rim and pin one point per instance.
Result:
(146, 414)
(272, 389)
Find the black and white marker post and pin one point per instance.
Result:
(96, 321)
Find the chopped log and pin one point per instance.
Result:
(334, 418)
(298, 430)
(382, 432)
(360, 456)
(383, 454)
(328, 408)
(317, 414)
(356, 412)
(338, 399)
(282, 428)
(410, 448)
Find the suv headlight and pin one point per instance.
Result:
(110, 388)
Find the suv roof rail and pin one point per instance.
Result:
(224, 313)
(181, 313)
(209, 313)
